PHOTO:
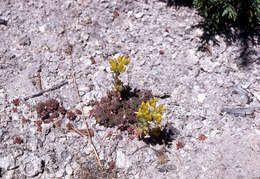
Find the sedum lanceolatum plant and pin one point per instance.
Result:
(149, 114)
(117, 66)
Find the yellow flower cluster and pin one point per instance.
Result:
(117, 65)
(146, 112)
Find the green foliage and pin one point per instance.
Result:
(219, 13)
(117, 66)
(149, 113)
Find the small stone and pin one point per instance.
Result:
(139, 15)
(122, 160)
(75, 165)
(31, 165)
(7, 162)
(42, 28)
(165, 34)
(25, 41)
(201, 97)
(199, 32)
(15, 116)
(68, 177)
(69, 170)
(60, 173)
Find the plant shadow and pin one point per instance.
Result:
(247, 34)
(179, 3)
(168, 134)
(247, 37)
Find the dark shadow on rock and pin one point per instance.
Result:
(168, 134)
(242, 31)
(179, 3)
(1, 172)
(127, 92)
(233, 32)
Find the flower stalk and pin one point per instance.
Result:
(117, 66)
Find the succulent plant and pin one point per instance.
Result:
(117, 66)
(148, 113)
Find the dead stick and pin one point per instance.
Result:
(85, 120)
(47, 90)
(69, 52)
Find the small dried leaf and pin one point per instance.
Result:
(24, 120)
(16, 102)
(179, 145)
(111, 165)
(85, 132)
(161, 52)
(15, 110)
(57, 123)
(132, 137)
(120, 137)
(18, 140)
(77, 111)
(202, 137)
(92, 60)
(69, 126)
(116, 14)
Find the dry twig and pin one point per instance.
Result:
(69, 51)
(47, 90)
(85, 120)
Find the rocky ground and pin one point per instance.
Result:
(211, 99)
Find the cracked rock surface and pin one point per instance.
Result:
(210, 99)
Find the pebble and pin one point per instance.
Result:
(7, 162)
(69, 170)
(42, 28)
(60, 173)
(31, 164)
(122, 161)
(25, 41)
(201, 97)
(199, 32)
(139, 15)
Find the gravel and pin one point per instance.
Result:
(210, 95)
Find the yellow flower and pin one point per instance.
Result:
(153, 102)
(149, 112)
(117, 65)
(113, 64)
(157, 117)
(160, 108)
